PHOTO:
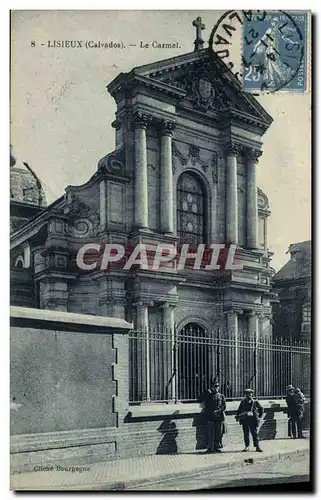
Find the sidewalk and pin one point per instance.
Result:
(134, 472)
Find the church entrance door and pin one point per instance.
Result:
(194, 371)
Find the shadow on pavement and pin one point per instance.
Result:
(168, 445)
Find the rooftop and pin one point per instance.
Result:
(299, 265)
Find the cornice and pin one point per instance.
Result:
(46, 274)
(130, 81)
(247, 119)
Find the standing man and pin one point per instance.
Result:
(299, 400)
(291, 411)
(248, 415)
(214, 405)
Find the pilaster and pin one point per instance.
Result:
(56, 273)
(112, 297)
(54, 294)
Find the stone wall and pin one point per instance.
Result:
(68, 383)
(164, 429)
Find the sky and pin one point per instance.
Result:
(61, 112)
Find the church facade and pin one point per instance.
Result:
(187, 144)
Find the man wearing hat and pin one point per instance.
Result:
(291, 411)
(214, 405)
(299, 400)
(248, 415)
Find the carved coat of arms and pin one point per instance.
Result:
(205, 93)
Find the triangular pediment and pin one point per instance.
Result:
(207, 83)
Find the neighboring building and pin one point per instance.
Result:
(27, 197)
(27, 201)
(183, 171)
(292, 283)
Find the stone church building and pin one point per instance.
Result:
(184, 170)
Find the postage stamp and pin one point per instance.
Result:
(274, 46)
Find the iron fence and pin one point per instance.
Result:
(178, 366)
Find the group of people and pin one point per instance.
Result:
(295, 401)
(248, 414)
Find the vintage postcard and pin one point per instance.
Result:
(160, 250)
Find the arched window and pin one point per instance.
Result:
(190, 209)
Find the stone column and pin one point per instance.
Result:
(141, 356)
(141, 121)
(234, 368)
(231, 194)
(169, 358)
(267, 358)
(166, 177)
(252, 208)
(169, 317)
(265, 327)
(141, 315)
(253, 326)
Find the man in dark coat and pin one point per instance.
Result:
(214, 405)
(248, 415)
(291, 411)
(295, 402)
(299, 400)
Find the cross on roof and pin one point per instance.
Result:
(199, 27)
